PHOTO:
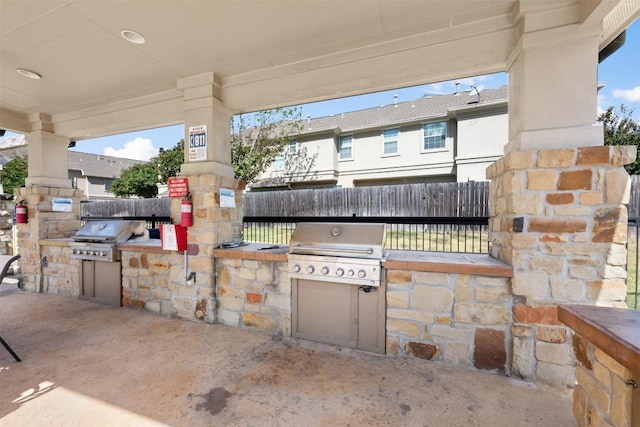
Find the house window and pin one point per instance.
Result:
(390, 138)
(344, 147)
(279, 162)
(435, 135)
(107, 184)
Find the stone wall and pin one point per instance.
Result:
(602, 396)
(60, 274)
(254, 294)
(558, 217)
(460, 319)
(7, 208)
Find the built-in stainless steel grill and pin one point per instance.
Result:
(338, 289)
(97, 240)
(95, 244)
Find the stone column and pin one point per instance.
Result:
(208, 173)
(557, 197)
(48, 179)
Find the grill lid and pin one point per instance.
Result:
(109, 231)
(352, 240)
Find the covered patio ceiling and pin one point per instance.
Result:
(262, 53)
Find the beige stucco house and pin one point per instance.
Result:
(439, 138)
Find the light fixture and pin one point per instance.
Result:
(28, 73)
(133, 36)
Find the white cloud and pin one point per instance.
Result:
(630, 95)
(138, 149)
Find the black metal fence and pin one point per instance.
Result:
(438, 234)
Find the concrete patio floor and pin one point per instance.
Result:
(87, 364)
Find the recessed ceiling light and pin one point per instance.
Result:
(28, 73)
(132, 36)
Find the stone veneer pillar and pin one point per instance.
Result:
(43, 223)
(558, 217)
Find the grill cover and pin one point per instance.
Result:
(109, 231)
(352, 240)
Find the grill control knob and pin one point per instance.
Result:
(362, 274)
(296, 268)
(325, 270)
(340, 272)
(310, 269)
(350, 273)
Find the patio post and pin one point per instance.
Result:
(557, 196)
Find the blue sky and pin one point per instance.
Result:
(620, 72)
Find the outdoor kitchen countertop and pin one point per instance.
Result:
(441, 262)
(613, 330)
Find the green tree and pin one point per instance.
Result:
(137, 180)
(258, 138)
(621, 129)
(14, 174)
(168, 162)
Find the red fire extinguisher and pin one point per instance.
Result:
(186, 211)
(21, 213)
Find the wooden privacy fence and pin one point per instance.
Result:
(127, 207)
(468, 199)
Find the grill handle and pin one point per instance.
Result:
(319, 250)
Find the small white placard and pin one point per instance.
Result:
(169, 238)
(61, 205)
(227, 198)
(197, 143)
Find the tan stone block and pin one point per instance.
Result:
(522, 358)
(243, 273)
(603, 375)
(557, 353)
(596, 393)
(591, 198)
(251, 264)
(532, 284)
(541, 179)
(593, 155)
(483, 314)
(494, 282)
(580, 406)
(614, 272)
(617, 255)
(550, 265)
(430, 278)
(522, 331)
(621, 401)
(526, 203)
(393, 344)
(457, 354)
(556, 158)
(557, 225)
(623, 155)
(559, 198)
(451, 333)
(227, 317)
(583, 272)
(397, 299)
(416, 315)
(487, 294)
(567, 289)
(278, 301)
(399, 276)
(555, 375)
(258, 321)
(266, 275)
(516, 160)
(431, 299)
(617, 186)
(613, 365)
(410, 329)
(463, 288)
(606, 290)
(576, 180)
(524, 241)
(161, 293)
